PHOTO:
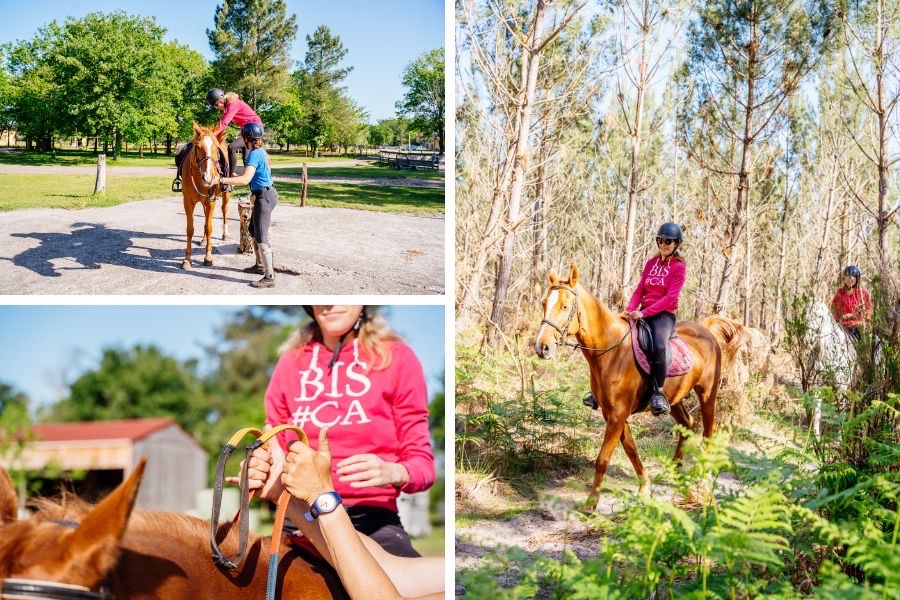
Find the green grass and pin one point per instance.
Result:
(71, 158)
(58, 191)
(366, 197)
(431, 544)
(368, 171)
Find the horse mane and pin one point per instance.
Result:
(72, 508)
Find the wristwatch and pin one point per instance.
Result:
(324, 503)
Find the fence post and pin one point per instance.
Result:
(100, 183)
(303, 185)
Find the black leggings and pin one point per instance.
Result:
(233, 147)
(661, 325)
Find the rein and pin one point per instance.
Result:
(232, 562)
(564, 330)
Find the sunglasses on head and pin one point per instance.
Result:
(664, 241)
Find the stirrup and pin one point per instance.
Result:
(659, 408)
(176, 184)
(590, 401)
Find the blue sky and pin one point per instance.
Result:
(42, 347)
(382, 37)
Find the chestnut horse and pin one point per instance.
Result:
(604, 337)
(200, 170)
(72, 550)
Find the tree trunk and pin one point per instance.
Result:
(633, 179)
(737, 220)
(525, 103)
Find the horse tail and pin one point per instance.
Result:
(729, 334)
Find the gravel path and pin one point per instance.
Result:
(137, 248)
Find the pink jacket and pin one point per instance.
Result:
(369, 412)
(239, 112)
(659, 287)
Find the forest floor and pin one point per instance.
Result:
(538, 512)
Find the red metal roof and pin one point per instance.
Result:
(129, 429)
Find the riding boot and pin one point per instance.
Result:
(268, 280)
(590, 401)
(258, 267)
(659, 404)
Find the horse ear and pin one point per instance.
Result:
(93, 549)
(196, 128)
(573, 275)
(8, 503)
(554, 278)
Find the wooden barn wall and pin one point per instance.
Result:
(176, 470)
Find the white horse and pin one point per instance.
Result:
(832, 355)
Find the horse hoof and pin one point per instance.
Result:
(186, 264)
(207, 262)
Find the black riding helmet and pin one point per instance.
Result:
(853, 271)
(252, 131)
(669, 231)
(213, 95)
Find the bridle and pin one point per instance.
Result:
(34, 589)
(16, 588)
(211, 190)
(563, 331)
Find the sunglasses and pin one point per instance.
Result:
(664, 241)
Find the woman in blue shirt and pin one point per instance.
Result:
(259, 175)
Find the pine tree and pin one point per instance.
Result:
(251, 41)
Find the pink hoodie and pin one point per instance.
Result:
(369, 412)
(239, 112)
(659, 287)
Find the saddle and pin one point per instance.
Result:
(679, 358)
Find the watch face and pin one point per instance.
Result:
(326, 503)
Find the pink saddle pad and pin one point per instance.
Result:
(682, 357)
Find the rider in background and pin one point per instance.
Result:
(655, 300)
(346, 368)
(852, 304)
(258, 174)
(233, 109)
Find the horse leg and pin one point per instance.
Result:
(707, 399)
(632, 453)
(683, 418)
(207, 228)
(189, 212)
(226, 196)
(615, 425)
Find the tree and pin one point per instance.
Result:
(871, 66)
(746, 59)
(317, 82)
(35, 100)
(251, 41)
(134, 383)
(423, 102)
(109, 70)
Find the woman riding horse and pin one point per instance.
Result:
(657, 296)
(607, 344)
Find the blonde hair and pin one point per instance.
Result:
(375, 335)
(231, 97)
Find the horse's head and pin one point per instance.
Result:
(206, 153)
(50, 553)
(559, 308)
